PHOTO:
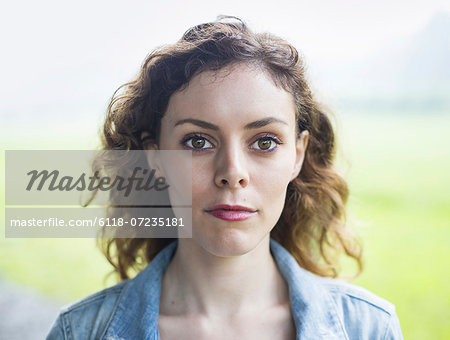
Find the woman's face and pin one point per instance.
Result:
(241, 130)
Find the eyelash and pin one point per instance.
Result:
(199, 136)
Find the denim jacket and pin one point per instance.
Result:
(322, 308)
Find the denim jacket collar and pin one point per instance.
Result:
(136, 313)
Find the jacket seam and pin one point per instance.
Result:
(114, 311)
(364, 300)
(93, 298)
(338, 317)
(387, 327)
(66, 326)
(65, 316)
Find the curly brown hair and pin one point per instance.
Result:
(312, 225)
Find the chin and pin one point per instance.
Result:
(228, 243)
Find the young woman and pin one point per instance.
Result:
(268, 207)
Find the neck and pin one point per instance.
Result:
(197, 282)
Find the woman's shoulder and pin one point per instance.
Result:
(125, 310)
(338, 309)
(89, 316)
(346, 293)
(102, 297)
(362, 312)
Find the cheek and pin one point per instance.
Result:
(270, 189)
(201, 180)
(271, 184)
(274, 176)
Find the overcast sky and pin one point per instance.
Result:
(319, 26)
(71, 55)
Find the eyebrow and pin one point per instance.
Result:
(253, 125)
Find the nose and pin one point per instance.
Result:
(231, 170)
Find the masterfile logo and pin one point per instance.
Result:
(98, 193)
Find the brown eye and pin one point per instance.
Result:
(264, 143)
(198, 143)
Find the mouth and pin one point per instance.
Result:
(231, 212)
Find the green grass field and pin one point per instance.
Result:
(398, 167)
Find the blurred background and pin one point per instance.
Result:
(381, 66)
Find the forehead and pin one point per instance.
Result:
(238, 91)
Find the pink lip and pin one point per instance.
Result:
(231, 212)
